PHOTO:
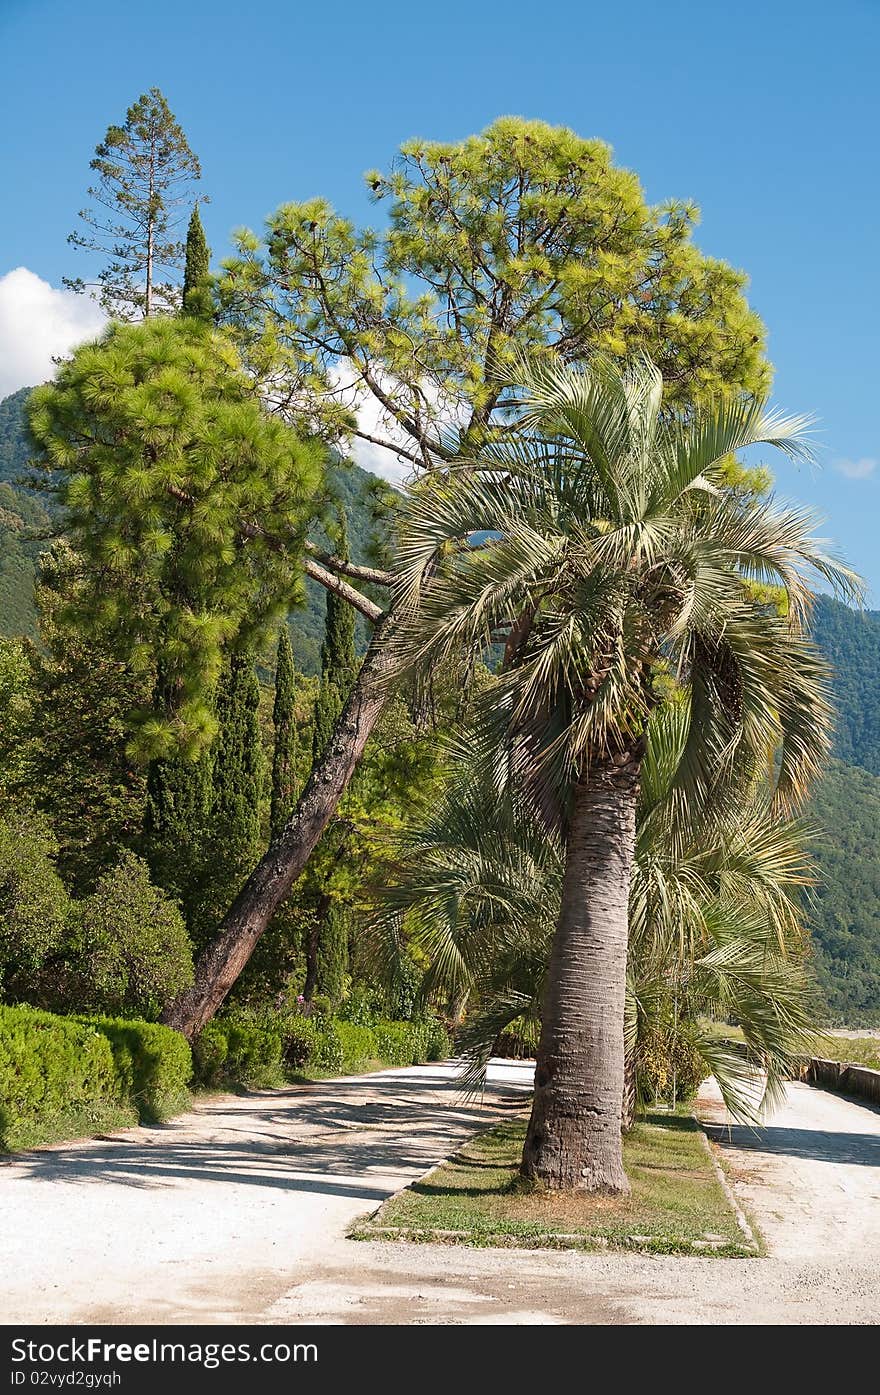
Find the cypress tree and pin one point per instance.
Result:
(284, 717)
(175, 828)
(197, 301)
(332, 954)
(237, 769)
(231, 844)
(179, 790)
(338, 659)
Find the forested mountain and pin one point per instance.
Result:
(844, 914)
(845, 907)
(13, 439)
(23, 517)
(851, 640)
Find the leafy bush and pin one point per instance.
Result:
(259, 1047)
(667, 1068)
(327, 1055)
(438, 1043)
(58, 1078)
(364, 1006)
(404, 991)
(300, 1035)
(401, 1043)
(135, 949)
(209, 1051)
(359, 1046)
(34, 906)
(254, 1049)
(153, 1064)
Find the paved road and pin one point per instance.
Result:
(236, 1213)
(812, 1177)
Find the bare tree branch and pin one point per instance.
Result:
(367, 608)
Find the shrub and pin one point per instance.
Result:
(153, 1063)
(364, 1006)
(254, 1049)
(34, 906)
(359, 1046)
(401, 1043)
(438, 1044)
(665, 1068)
(300, 1036)
(209, 1051)
(404, 990)
(58, 1079)
(327, 1055)
(136, 952)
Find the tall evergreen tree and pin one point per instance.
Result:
(179, 791)
(237, 767)
(332, 954)
(176, 817)
(284, 718)
(77, 763)
(145, 169)
(338, 658)
(231, 842)
(197, 271)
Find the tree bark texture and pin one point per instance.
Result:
(574, 1135)
(250, 913)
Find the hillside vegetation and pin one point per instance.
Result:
(851, 640)
(845, 913)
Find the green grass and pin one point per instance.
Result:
(677, 1205)
(66, 1126)
(857, 1051)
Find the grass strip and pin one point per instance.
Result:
(677, 1204)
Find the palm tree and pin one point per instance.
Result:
(598, 539)
(715, 925)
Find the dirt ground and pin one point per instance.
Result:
(237, 1212)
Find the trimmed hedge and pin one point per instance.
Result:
(358, 1046)
(154, 1065)
(258, 1049)
(63, 1077)
(58, 1079)
(253, 1051)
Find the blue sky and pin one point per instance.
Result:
(765, 113)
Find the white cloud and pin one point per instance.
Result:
(374, 420)
(37, 321)
(856, 469)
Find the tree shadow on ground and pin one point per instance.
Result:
(358, 1138)
(862, 1149)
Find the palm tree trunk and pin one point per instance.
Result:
(574, 1134)
(250, 913)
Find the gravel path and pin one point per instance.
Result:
(236, 1212)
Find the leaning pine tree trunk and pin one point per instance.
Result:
(251, 911)
(574, 1134)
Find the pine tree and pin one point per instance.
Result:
(284, 717)
(338, 659)
(197, 300)
(179, 790)
(145, 169)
